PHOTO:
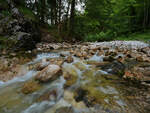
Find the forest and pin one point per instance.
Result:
(88, 20)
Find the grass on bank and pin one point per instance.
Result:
(145, 37)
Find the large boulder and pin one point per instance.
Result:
(51, 72)
(18, 28)
(24, 40)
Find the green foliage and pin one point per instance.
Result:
(6, 42)
(28, 13)
(101, 20)
(102, 36)
(6, 13)
(145, 36)
(104, 20)
(3, 4)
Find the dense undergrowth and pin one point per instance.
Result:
(139, 36)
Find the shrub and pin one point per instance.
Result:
(102, 36)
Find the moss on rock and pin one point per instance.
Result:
(30, 87)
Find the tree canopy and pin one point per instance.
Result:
(91, 20)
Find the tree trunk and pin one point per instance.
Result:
(72, 15)
(36, 7)
(60, 2)
(67, 17)
(55, 12)
(43, 5)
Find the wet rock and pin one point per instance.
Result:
(60, 104)
(57, 61)
(24, 40)
(30, 87)
(55, 46)
(85, 54)
(63, 54)
(48, 96)
(49, 46)
(98, 64)
(71, 51)
(69, 59)
(134, 54)
(78, 54)
(84, 48)
(71, 78)
(11, 68)
(132, 75)
(80, 66)
(109, 58)
(146, 50)
(143, 58)
(39, 66)
(115, 67)
(111, 53)
(80, 94)
(69, 97)
(138, 73)
(70, 75)
(51, 72)
(65, 110)
(91, 52)
(100, 53)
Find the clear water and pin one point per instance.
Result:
(108, 92)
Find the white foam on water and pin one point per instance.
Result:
(108, 90)
(59, 104)
(102, 72)
(96, 58)
(27, 76)
(1, 83)
(46, 55)
(121, 102)
(39, 107)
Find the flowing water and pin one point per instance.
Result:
(91, 90)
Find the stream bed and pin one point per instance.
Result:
(89, 90)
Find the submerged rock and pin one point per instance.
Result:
(115, 67)
(51, 72)
(80, 66)
(48, 96)
(69, 97)
(71, 78)
(70, 75)
(69, 59)
(65, 110)
(30, 87)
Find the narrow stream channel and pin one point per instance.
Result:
(92, 90)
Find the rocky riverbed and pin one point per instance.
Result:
(105, 77)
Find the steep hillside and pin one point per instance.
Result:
(19, 27)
